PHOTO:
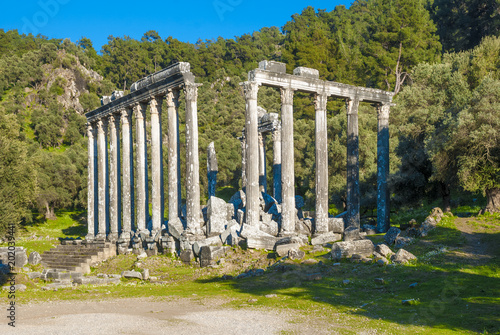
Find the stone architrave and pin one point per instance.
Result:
(383, 208)
(156, 164)
(252, 154)
(91, 184)
(287, 160)
(193, 211)
(276, 136)
(102, 178)
(128, 175)
(212, 169)
(174, 163)
(321, 165)
(141, 168)
(353, 203)
(114, 178)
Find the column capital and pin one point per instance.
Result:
(251, 89)
(383, 110)
(287, 96)
(90, 130)
(276, 134)
(102, 125)
(155, 104)
(320, 101)
(352, 105)
(191, 91)
(138, 111)
(172, 98)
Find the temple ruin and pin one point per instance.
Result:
(118, 201)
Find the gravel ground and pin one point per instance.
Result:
(146, 316)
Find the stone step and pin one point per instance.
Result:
(74, 253)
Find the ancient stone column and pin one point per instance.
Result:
(212, 169)
(287, 160)
(193, 210)
(353, 203)
(128, 175)
(174, 162)
(156, 164)
(102, 178)
(91, 183)
(262, 164)
(321, 165)
(276, 134)
(141, 166)
(243, 143)
(114, 178)
(383, 208)
(251, 90)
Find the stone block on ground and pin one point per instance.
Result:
(402, 256)
(217, 216)
(304, 226)
(326, 238)
(175, 228)
(132, 274)
(34, 258)
(261, 241)
(296, 254)
(210, 254)
(197, 245)
(347, 249)
(384, 250)
(270, 227)
(290, 239)
(391, 235)
(336, 225)
(187, 256)
(402, 241)
(282, 249)
(20, 257)
(351, 234)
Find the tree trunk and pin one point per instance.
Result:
(493, 201)
(49, 213)
(445, 194)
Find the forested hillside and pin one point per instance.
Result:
(445, 129)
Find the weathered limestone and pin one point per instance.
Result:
(252, 154)
(156, 164)
(174, 162)
(193, 211)
(212, 169)
(287, 161)
(276, 135)
(141, 166)
(347, 249)
(321, 165)
(262, 164)
(102, 179)
(114, 178)
(353, 203)
(128, 176)
(91, 185)
(383, 210)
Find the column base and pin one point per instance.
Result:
(89, 237)
(113, 237)
(100, 237)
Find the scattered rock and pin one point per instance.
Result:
(351, 234)
(34, 258)
(336, 225)
(131, 274)
(296, 254)
(210, 254)
(145, 274)
(283, 249)
(347, 249)
(325, 238)
(384, 250)
(391, 235)
(310, 261)
(217, 216)
(402, 241)
(402, 256)
(382, 261)
(271, 295)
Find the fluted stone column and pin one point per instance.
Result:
(114, 178)
(251, 90)
(91, 183)
(141, 166)
(287, 160)
(262, 164)
(156, 164)
(212, 169)
(128, 175)
(383, 206)
(243, 142)
(353, 203)
(174, 162)
(321, 165)
(193, 211)
(102, 178)
(276, 134)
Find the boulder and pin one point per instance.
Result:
(336, 225)
(347, 249)
(402, 256)
(391, 235)
(132, 274)
(384, 250)
(326, 238)
(296, 254)
(34, 258)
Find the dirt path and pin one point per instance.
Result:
(476, 250)
(147, 316)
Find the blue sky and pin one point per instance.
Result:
(185, 20)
